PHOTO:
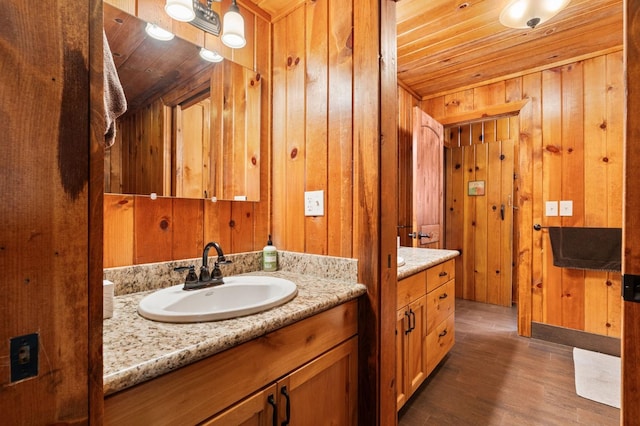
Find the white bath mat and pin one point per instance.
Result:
(597, 376)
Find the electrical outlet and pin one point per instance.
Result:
(24, 357)
(314, 203)
(551, 208)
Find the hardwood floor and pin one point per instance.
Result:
(492, 376)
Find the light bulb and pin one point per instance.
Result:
(158, 33)
(180, 10)
(210, 56)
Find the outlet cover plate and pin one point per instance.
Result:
(24, 357)
(314, 203)
(551, 208)
(566, 208)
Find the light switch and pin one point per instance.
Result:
(314, 203)
(551, 208)
(566, 208)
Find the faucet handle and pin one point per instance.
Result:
(205, 275)
(191, 275)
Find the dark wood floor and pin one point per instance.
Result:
(494, 377)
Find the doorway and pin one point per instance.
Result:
(479, 210)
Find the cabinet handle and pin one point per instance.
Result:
(287, 409)
(442, 274)
(443, 296)
(272, 402)
(408, 315)
(413, 315)
(444, 333)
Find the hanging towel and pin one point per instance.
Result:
(587, 248)
(115, 103)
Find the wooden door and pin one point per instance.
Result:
(427, 180)
(324, 391)
(257, 410)
(480, 219)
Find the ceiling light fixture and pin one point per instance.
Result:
(210, 55)
(530, 13)
(233, 27)
(158, 33)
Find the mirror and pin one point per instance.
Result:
(192, 127)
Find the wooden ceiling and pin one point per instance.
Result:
(445, 45)
(450, 44)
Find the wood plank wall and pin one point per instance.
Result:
(570, 148)
(481, 151)
(137, 230)
(312, 127)
(50, 244)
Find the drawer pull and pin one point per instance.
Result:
(272, 402)
(286, 421)
(442, 274)
(443, 296)
(444, 333)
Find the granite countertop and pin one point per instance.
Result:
(136, 349)
(419, 259)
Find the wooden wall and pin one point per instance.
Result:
(140, 231)
(312, 127)
(570, 148)
(50, 244)
(481, 227)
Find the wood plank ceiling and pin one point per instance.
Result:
(450, 44)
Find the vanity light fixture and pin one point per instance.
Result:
(158, 33)
(530, 13)
(233, 27)
(180, 10)
(210, 55)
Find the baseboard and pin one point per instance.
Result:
(576, 338)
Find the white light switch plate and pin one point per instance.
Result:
(566, 208)
(551, 208)
(314, 203)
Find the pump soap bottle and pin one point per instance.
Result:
(269, 257)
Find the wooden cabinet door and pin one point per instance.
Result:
(416, 354)
(428, 158)
(257, 410)
(402, 328)
(324, 391)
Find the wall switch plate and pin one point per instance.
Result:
(566, 208)
(24, 357)
(551, 208)
(314, 203)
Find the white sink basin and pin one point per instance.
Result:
(238, 296)
(400, 261)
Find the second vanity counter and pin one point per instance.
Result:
(420, 259)
(136, 349)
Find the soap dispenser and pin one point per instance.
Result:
(269, 257)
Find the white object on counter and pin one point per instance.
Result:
(107, 299)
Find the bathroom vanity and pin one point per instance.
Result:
(274, 365)
(425, 327)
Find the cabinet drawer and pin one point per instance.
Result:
(440, 274)
(439, 342)
(441, 303)
(410, 289)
